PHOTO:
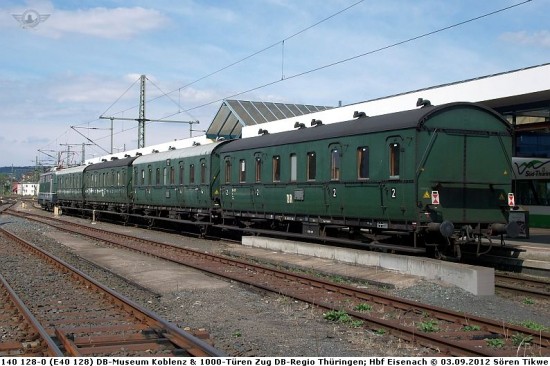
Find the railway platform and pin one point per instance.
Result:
(375, 267)
(392, 270)
(537, 236)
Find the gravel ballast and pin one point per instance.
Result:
(247, 322)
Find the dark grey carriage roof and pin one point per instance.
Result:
(393, 121)
(111, 164)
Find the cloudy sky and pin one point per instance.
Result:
(83, 59)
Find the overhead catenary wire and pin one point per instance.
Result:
(282, 41)
(116, 101)
(408, 40)
(222, 69)
(300, 74)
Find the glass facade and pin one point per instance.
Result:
(533, 144)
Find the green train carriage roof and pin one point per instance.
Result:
(116, 163)
(186, 152)
(75, 169)
(415, 118)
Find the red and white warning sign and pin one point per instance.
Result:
(511, 200)
(435, 197)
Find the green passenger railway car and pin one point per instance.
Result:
(423, 175)
(436, 177)
(178, 184)
(70, 188)
(107, 186)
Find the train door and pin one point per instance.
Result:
(203, 191)
(149, 187)
(334, 190)
(392, 191)
(180, 196)
(257, 187)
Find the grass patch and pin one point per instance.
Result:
(519, 339)
(363, 307)
(429, 326)
(495, 342)
(534, 326)
(339, 316)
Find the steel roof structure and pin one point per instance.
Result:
(233, 115)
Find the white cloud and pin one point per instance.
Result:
(86, 89)
(117, 23)
(540, 38)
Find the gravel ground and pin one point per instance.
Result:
(246, 322)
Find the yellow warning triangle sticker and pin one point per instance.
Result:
(505, 172)
(501, 197)
(217, 192)
(426, 194)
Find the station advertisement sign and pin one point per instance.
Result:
(531, 168)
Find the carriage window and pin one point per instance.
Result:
(157, 177)
(165, 176)
(363, 163)
(311, 166)
(227, 171)
(142, 177)
(293, 167)
(242, 170)
(150, 176)
(181, 174)
(258, 169)
(136, 174)
(203, 173)
(335, 164)
(192, 173)
(394, 160)
(276, 168)
(119, 181)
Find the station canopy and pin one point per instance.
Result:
(233, 115)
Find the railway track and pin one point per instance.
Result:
(446, 331)
(526, 286)
(27, 336)
(67, 310)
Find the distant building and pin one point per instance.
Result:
(25, 189)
